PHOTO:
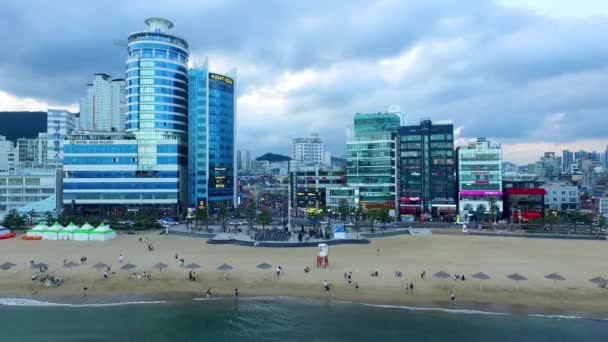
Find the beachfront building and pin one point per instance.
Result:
(309, 183)
(35, 189)
(308, 150)
(371, 158)
(523, 200)
(561, 197)
(59, 123)
(212, 139)
(479, 174)
(102, 174)
(339, 196)
(103, 107)
(426, 169)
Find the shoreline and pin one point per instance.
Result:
(177, 298)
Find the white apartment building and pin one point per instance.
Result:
(32, 152)
(103, 107)
(308, 149)
(59, 123)
(9, 157)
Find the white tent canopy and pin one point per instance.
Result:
(52, 232)
(67, 233)
(102, 233)
(38, 230)
(82, 233)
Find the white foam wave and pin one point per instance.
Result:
(556, 316)
(30, 302)
(454, 311)
(206, 299)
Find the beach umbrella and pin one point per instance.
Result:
(224, 268)
(480, 276)
(517, 278)
(555, 277)
(442, 275)
(128, 267)
(192, 266)
(598, 280)
(71, 264)
(264, 266)
(7, 265)
(99, 265)
(160, 266)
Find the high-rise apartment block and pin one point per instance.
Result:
(9, 157)
(371, 158)
(59, 123)
(426, 168)
(479, 174)
(212, 138)
(243, 160)
(103, 107)
(308, 150)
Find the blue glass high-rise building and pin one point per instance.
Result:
(147, 166)
(211, 159)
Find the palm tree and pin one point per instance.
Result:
(223, 214)
(492, 206)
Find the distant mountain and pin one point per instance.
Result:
(272, 157)
(14, 125)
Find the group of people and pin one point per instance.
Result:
(144, 275)
(398, 274)
(106, 272)
(150, 246)
(458, 277)
(192, 276)
(48, 280)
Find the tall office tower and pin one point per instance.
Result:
(103, 107)
(59, 123)
(212, 134)
(479, 177)
(426, 154)
(567, 160)
(243, 160)
(308, 150)
(371, 158)
(157, 97)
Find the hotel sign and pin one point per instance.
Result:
(221, 78)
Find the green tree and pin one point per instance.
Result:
(14, 220)
(551, 220)
(343, 210)
(575, 217)
(201, 214)
(372, 215)
(492, 205)
(249, 212)
(384, 214)
(49, 217)
(264, 218)
(223, 214)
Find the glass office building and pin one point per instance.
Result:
(426, 168)
(371, 159)
(211, 157)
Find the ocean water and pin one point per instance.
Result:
(278, 319)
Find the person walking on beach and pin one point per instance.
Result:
(279, 269)
(120, 259)
(412, 288)
(208, 293)
(236, 293)
(105, 274)
(422, 274)
(356, 286)
(326, 286)
(452, 296)
(350, 277)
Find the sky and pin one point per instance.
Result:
(531, 75)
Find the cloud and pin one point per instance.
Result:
(522, 76)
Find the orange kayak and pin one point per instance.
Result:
(25, 237)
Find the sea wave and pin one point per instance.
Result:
(31, 302)
(453, 311)
(557, 316)
(206, 299)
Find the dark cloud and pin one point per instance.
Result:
(496, 71)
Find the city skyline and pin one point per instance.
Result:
(483, 70)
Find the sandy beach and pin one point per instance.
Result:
(577, 261)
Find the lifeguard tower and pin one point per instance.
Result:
(323, 257)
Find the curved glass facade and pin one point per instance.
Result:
(157, 83)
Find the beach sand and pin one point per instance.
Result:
(577, 260)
